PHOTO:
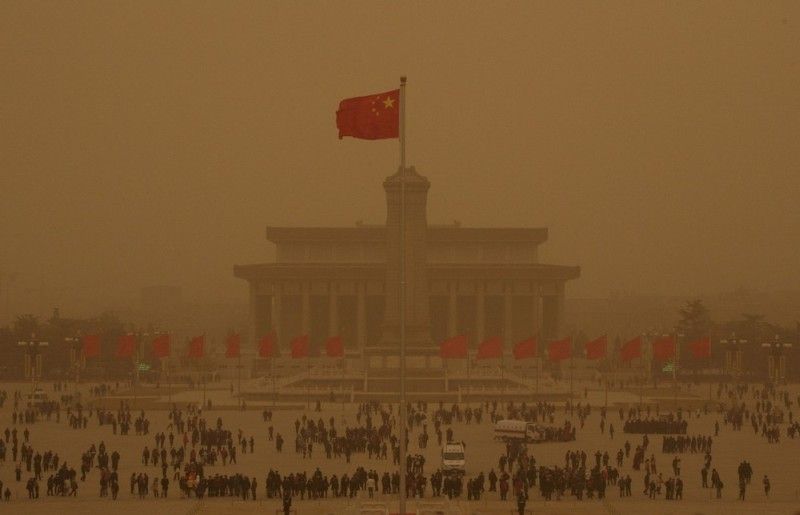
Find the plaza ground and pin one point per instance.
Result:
(779, 461)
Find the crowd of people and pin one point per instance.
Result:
(656, 426)
(191, 448)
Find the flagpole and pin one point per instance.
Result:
(402, 410)
(272, 376)
(469, 382)
(675, 373)
(135, 377)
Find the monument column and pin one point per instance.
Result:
(452, 312)
(414, 243)
(333, 312)
(254, 315)
(305, 325)
(361, 316)
(277, 313)
(559, 310)
(481, 312)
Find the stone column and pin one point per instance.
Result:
(481, 312)
(414, 240)
(305, 326)
(277, 303)
(559, 310)
(254, 315)
(361, 316)
(536, 318)
(333, 312)
(452, 312)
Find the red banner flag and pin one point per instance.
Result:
(126, 346)
(300, 347)
(525, 349)
(631, 349)
(701, 348)
(559, 349)
(334, 348)
(267, 347)
(453, 348)
(370, 117)
(196, 347)
(161, 346)
(596, 349)
(233, 346)
(91, 345)
(491, 348)
(663, 348)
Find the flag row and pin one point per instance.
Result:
(664, 348)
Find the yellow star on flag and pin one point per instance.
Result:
(388, 103)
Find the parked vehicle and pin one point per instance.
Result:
(37, 398)
(453, 459)
(517, 430)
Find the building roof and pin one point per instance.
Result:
(436, 233)
(378, 271)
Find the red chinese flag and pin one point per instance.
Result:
(91, 346)
(491, 348)
(701, 348)
(596, 349)
(300, 347)
(664, 348)
(233, 346)
(525, 349)
(196, 347)
(559, 349)
(266, 347)
(334, 347)
(631, 349)
(161, 346)
(371, 117)
(455, 347)
(126, 346)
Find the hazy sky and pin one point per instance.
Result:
(151, 142)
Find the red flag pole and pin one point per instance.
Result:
(136, 369)
(469, 383)
(675, 373)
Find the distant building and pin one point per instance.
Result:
(345, 281)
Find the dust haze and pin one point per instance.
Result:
(148, 143)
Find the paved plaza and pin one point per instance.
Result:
(779, 461)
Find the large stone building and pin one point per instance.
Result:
(345, 281)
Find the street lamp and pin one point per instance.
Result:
(33, 358)
(776, 359)
(76, 358)
(733, 355)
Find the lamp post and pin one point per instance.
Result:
(733, 355)
(33, 358)
(776, 359)
(75, 356)
(675, 362)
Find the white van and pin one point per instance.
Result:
(37, 397)
(453, 460)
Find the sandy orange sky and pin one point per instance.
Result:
(151, 142)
